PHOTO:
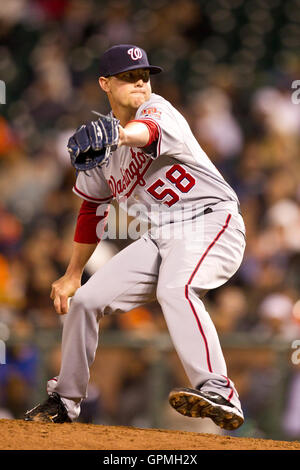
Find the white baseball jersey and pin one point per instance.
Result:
(174, 175)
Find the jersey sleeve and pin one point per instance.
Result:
(90, 225)
(170, 135)
(92, 186)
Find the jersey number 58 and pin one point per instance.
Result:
(179, 178)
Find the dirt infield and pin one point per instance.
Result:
(21, 435)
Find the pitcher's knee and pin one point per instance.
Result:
(84, 301)
(169, 294)
(165, 293)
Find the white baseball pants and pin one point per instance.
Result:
(178, 272)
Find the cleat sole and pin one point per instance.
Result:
(188, 404)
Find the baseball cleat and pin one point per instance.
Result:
(197, 404)
(51, 411)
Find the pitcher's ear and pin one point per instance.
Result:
(103, 82)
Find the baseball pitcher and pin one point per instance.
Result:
(143, 154)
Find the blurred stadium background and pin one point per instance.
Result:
(229, 67)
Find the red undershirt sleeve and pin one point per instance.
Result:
(87, 222)
(152, 128)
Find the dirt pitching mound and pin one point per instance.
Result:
(21, 435)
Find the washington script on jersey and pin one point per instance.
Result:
(135, 171)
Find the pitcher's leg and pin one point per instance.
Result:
(187, 271)
(125, 282)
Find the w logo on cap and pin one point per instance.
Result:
(135, 53)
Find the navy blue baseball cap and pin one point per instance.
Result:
(124, 57)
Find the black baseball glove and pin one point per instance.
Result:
(88, 146)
